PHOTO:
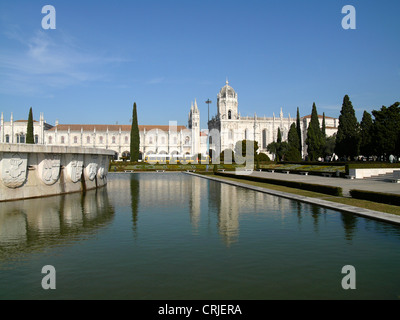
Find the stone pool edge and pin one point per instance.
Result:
(377, 215)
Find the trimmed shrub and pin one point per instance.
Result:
(317, 163)
(387, 198)
(262, 157)
(333, 191)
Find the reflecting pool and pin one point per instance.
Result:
(177, 236)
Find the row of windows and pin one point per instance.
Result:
(113, 140)
(248, 137)
(20, 138)
(246, 134)
(88, 140)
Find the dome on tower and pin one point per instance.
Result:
(227, 91)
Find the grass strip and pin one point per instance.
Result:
(381, 207)
(334, 191)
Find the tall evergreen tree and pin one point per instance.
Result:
(324, 137)
(323, 129)
(278, 148)
(386, 130)
(293, 153)
(29, 132)
(314, 139)
(279, 145)
(279, 136)
(366, 145)
(135, 138)
(298, 127)
(348, 138)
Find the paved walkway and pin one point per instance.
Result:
(345, 184)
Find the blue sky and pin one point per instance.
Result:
(105, 55)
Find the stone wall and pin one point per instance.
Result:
(30, 171)
(369, 172)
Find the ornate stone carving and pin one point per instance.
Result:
(75, 168)
(91, 168)
(101, 173)
(14, 169)
(49, 169)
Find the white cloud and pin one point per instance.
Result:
(48, 61)
(155, 80)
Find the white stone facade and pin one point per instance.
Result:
(230, 127)
(154, 139)
(224, 129)
(15, 131)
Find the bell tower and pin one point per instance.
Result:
(194, 125)
(227, 103)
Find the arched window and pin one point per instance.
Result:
(75, 139)
(62, 139)
(246, 134)
(264, 139)
(20, 138)
(7, 138)
(126, 139)
(229, 114)
(113, 139)
(187, 140)
(36, 139)
(88, 139)
(50, 140)
(101, 139)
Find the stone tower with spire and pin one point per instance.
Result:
(227, 103)
(194, 125)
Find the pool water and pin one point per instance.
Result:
(177, 236)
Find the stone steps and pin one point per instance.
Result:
(388, 177)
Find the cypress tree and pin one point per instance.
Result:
(135, 138)
(366, 146)
(293, 153)
(324, 137)
(323, 126)
(348, 138)
(29, 131)
(298, 127)
(279, 136)
(314, 139)
(278, 145)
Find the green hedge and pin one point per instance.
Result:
(317, 163)
(334, 191)
(387, 198)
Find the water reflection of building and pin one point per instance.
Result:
(169, 190)
(197, 194)
(156, 189)
(234, 204)
(38, 223)
(224, 205)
